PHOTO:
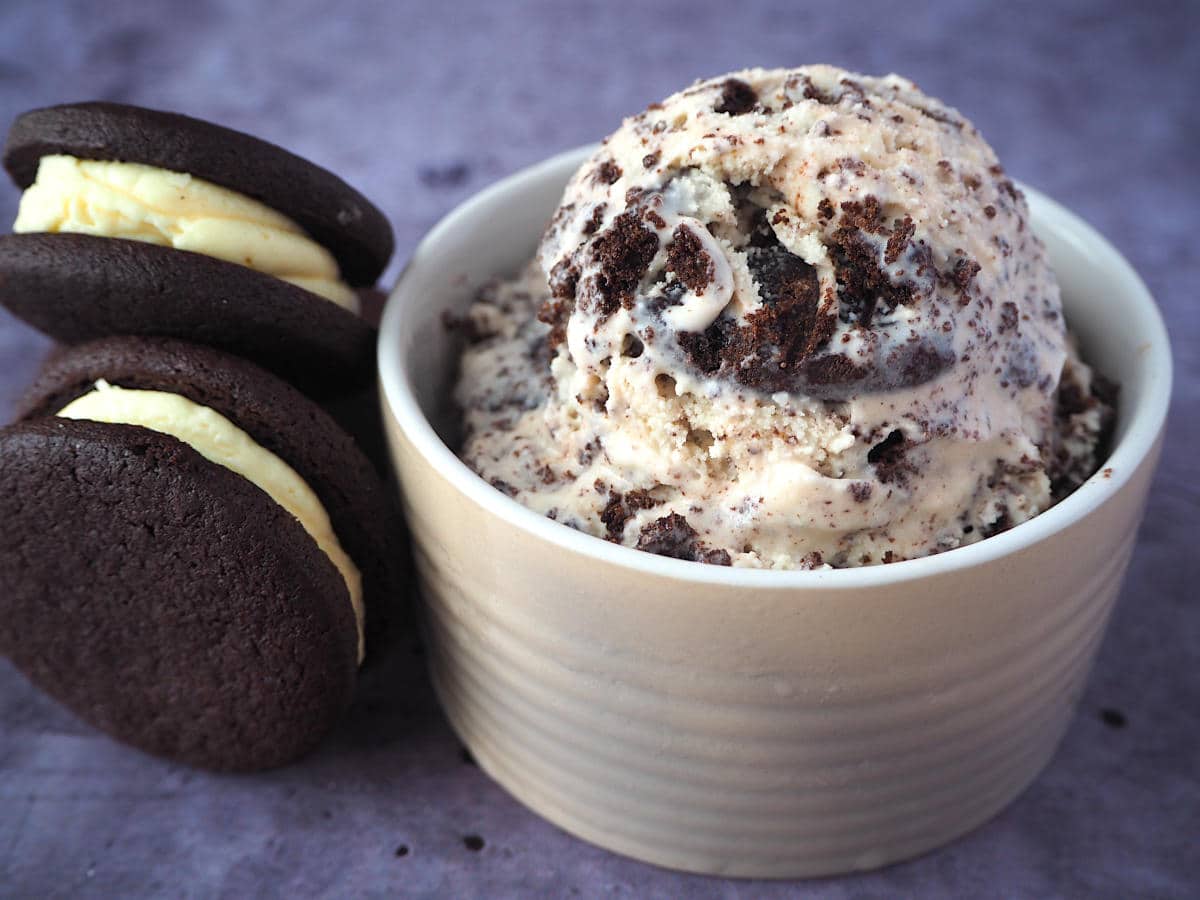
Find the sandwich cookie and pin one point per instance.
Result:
(195, 556)
(136, 221)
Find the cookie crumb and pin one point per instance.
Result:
(1113, 718)
(737, 98)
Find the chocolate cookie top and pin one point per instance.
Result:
(78, 287)
(166, 599)
(335, 214)
(277, 416)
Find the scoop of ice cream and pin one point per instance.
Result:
(799, 317)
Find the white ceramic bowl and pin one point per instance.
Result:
(755, 723)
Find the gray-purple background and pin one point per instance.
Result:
(420, 104)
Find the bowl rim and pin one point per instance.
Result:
(1144, 427)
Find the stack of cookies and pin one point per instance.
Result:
(196, 555)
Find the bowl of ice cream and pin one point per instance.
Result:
(668, 615)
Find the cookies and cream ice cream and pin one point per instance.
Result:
(784, 319)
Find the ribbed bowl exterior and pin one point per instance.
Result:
(766, 724)
(765, 732)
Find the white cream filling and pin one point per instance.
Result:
(220, 441)
(173, 209)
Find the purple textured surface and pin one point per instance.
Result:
(420, 105)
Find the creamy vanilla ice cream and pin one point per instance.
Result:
(784, 319)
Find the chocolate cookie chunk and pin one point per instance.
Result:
(333, 213)
(167, 599)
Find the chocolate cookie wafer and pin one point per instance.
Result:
(136, 221)
(196, 555)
